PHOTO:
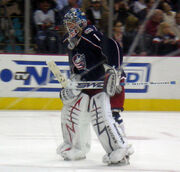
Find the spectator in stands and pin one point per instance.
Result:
(97, 16)
(138, 6)
(153, 23)
(143, 13)
(176, 26)
(46, 36)
(118, 32)
(129, 34)
(150, 30)
(172, 3)
(62, 3)
(87, 3)
(168, 14)
(121, 11)
(165, 42)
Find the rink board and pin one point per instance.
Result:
(27, 83)
(56, 104)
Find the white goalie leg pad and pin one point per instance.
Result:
(105, 126)
(68, 96)
(63, 147)
(119, 121)
(75, 123)
(122, 131)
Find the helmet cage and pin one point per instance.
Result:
(77, 18)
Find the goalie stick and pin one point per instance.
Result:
(73, 85)
(94, 84)
(100, 84)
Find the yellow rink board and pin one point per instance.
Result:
(56, 104)
(30, 104)
(152, 104)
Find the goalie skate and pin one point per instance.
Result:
(123, 162)
(68, 153)
(130, 150)
(73, 154)
(116, 157)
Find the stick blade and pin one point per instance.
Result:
(57, 73)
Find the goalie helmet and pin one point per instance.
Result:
(74, 21)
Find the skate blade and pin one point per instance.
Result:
(123, 162)
(81, 158)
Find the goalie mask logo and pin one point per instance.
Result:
(79, 61)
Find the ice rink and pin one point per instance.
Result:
(28, 141)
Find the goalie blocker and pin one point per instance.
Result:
(110, 82)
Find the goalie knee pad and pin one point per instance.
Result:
(68, 95)
(75, 124)
(104, 124)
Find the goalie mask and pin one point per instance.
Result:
(74, 21)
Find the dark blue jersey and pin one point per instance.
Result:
(86, 58)
(93, 50)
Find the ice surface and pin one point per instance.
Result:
(28, 141)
